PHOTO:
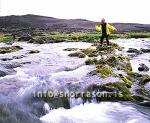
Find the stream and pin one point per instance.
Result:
(53, 69)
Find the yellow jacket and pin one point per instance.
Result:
(108, 28)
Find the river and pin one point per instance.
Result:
(53, 69)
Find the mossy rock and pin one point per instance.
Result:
(82, 55)
(125, 79)
(71, 49)
(128, 66)
(138, 98)
(34, 51)
(91, 61)
(133, 50)
(90, 52)
(4, 50)
(116, 91)
(145, 79)
(133, 74)
(120, 68)
(105, 71)
(145, 50)
(125, 93)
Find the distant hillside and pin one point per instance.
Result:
(49, 24)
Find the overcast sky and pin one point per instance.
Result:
(113, 10)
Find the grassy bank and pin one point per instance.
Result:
(85, 37)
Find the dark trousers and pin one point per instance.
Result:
(102, 39)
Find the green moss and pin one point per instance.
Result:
(124, 78)
(125, 93)
(145, 79)
(82, 55)
(105, 71)
(128, 66)
(4, 38)
(133, 74)
(90, 52)
(120, 68)
(91, 61)
(138, 98)
(4, 50)
(34, 51)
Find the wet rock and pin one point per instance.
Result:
(34, 51)
(104, 71)
(6, 59)
(10, 43)
(125, 79)
(146, 104)
(132, 50)
(82, 55)
(90, 52)
(71, 49)
(4, 50)
(11, 66)
(145, 50)
(138, 98)
(145, 79)
(90, 61)
(143, 67)
(134, 74)
(18, 57)
(2, 73)
(76, 54)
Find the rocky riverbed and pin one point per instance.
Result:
(29, 71)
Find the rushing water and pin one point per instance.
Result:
(105, 112)
(52, 68)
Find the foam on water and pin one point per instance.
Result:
(105, 112)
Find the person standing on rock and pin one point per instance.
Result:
(105, 29)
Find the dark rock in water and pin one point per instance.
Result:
(146, 103)
(143, 67)
(10, 43)
(145, 79)
(11, 66)
(2, 73)
(145, 50)
(6, 59)
(18, 57)
(132, 50)
(132, 55)
(138, 98)
(34, 51)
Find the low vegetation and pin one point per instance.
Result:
(85, 37)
